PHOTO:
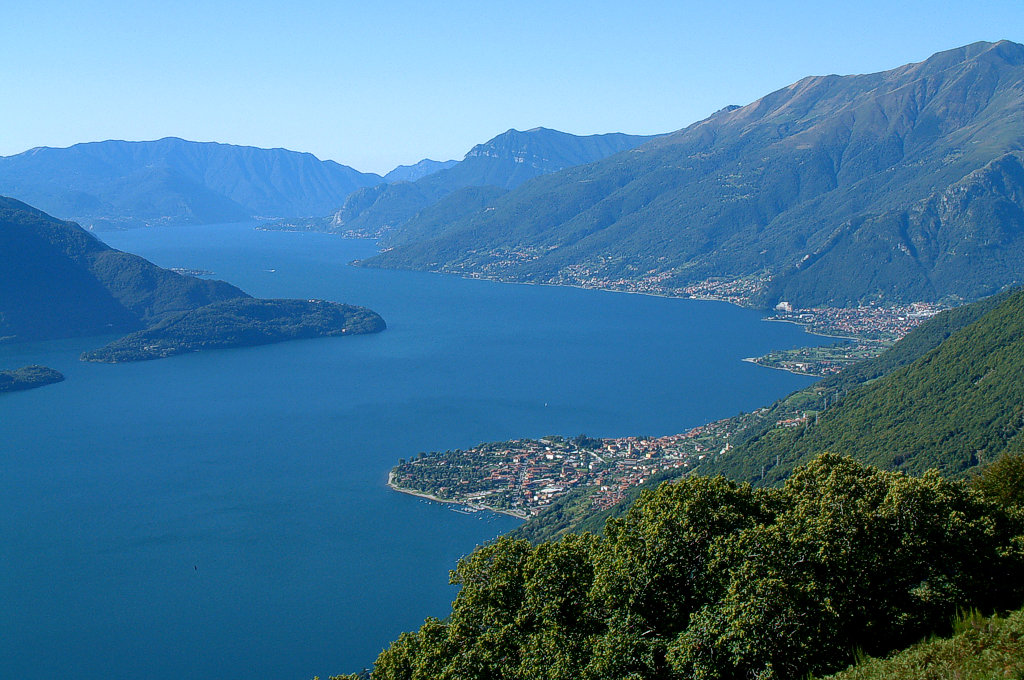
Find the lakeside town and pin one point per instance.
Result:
(874, 327)
(885, 324)
(868, 331)
(523, 477)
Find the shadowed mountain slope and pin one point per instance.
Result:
(116, 184)
(57, 280)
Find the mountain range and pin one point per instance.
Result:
(117, 184)
(488, 170)
(905, 185)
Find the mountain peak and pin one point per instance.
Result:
(1003, 52)
(829, 189)
(411, 173)
(1010, 52)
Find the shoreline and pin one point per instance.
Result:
(807, 329)
(498, 279)
(754, 360)
(702, 298)
(430, 497)
(495, 279)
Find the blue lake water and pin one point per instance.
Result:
(224, 514)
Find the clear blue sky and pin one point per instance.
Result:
(373, 85)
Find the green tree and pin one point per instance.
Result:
(1003, 479)
(857, 558)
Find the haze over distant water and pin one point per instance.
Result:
(224, 514)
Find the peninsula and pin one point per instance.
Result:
(27, 377)
(240, 322)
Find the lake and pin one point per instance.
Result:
(224, 514)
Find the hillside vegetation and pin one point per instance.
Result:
(958, 405)
(707, 578)
(242, 322)
(58, 280)
(28, 377)
(982, 649)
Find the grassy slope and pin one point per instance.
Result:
(981, 649)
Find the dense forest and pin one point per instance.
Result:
(709, 578)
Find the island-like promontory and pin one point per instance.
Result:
(27, 377)
(240, 322)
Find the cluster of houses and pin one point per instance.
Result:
(523, 477)
(889, 323)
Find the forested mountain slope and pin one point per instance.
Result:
(895, 186)
(57, 280)
(959, 405)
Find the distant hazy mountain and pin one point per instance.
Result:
(58, 280)
(411, 173)
(504, 162)
(116, 184)
(901, 185)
